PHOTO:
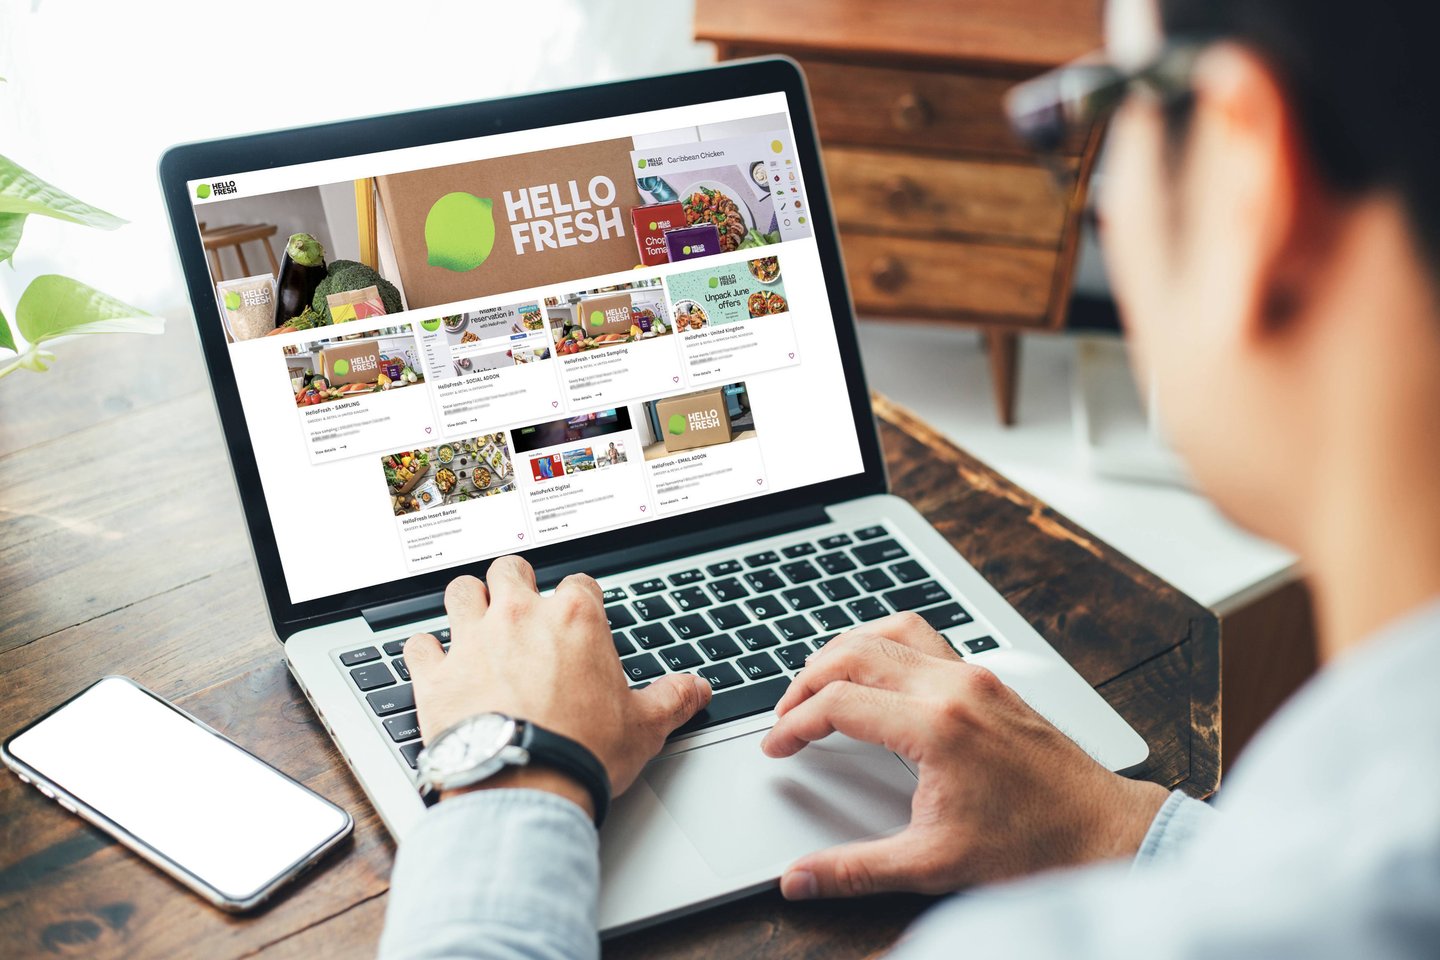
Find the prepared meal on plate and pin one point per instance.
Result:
(445, 479)
(469, 337)
(482, 477)
(445, 453)
(708, 205)
(774, 303)
(454, 323)
(689, 316)
(765, 269)
(759, 305)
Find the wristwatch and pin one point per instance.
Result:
(479, 747)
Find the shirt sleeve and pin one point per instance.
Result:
(1178, 822)
(502, 874)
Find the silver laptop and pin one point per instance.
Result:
(607, 329)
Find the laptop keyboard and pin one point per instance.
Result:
(746, 625)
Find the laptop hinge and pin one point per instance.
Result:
(401, 612)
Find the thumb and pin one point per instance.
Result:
(855, 869)
(671, 700)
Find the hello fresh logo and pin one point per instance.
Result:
(219, 188)
(679, 423)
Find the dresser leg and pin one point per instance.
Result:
(1004, 357)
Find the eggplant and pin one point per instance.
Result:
(301, 271)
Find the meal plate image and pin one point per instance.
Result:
(709, 201)
(689, 315)
(765, 269)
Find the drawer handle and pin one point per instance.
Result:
(888, 274)
(911, 112)
(902, 194)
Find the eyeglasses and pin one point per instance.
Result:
(1047, 111)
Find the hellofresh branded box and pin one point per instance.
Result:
(342, 363)
(607, 314)
(694, 420)
(651, 223)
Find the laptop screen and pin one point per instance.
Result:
(483, 346)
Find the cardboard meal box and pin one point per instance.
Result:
(473, 229)
(606, 314)
(694, 420)
(652, 222)
(358, 362)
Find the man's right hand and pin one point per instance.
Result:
(1002, 792)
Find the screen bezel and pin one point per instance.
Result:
(219, 158)
(153, 854)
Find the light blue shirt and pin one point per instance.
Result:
(1327, 846)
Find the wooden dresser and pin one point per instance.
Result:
(943, 214)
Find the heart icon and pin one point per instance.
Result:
(520, 535)
(792, 356)
(676, 379)
(554, 403)
(642, 508)
(427, 429)
(759, 481)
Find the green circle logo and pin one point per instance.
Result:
(341, 367)
(776, 146)
(459, 231)
(203, 191)
(714, 282)
(640, 163)
(431, 325)
(686, 251)
(676, 425)
(802, 219)
(654, 225)
(597, 319)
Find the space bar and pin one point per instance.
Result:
(744, 701)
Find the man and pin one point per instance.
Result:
(1273, 229)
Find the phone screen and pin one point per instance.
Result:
(190, 795)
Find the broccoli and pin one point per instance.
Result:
(349, 275)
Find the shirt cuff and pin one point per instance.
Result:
(515, 868)
(1174, 828)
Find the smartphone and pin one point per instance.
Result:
(212, 815)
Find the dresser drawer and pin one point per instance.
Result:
(951, 279)
(926, 110)
(926, 196)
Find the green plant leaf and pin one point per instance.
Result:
(23, 192)
(11, 225)
(7, 339)
(54, 306)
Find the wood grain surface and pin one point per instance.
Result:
(122, 551)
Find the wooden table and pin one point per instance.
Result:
(122, 551)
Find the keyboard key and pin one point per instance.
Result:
(372, 675)
(399, 664)
(619, 616)
(443, 634)
(762, 558)
(833, 563)
(724, 568)
(652, 608)
(819, 642)
(686, 576)
(623, 647)
(763, 581)
(832, 618)
(867, 608)
(838, 540)
(799, 550)
(802, 598)
(881, 551)
(729, 617)
(745, 701)
(411, 752)
(719, 647)
(691, 598)
(757, 637)
(908, 571)
(681, 657)
(801, 571)
(386, 702)
(870, 533)
(838, 589)
(690, 626)
(917, 595)
(978, 645)
(795, 628)
(758, 666)
(720, 675)
(727, 590)
(873, 581)
(642, 666)
(404, 727)
(354, 658)
(949, 615)
(611, 594)
(765, 607)
(793, 656)
(395, 647)
(652, 585)
(651, 635)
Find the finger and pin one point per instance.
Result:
(511, 581)
(855, 869)
(909, 629)
(865, 713)
(580, 587)
(871, 661)
(466, 601)
(423, 654)
(671, 700)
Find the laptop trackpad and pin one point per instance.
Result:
(742, 809)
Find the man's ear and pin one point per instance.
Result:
(1253, 190)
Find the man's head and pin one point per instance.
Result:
(1273, 237)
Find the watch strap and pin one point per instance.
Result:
(573, 759)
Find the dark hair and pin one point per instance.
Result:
(1362, 79)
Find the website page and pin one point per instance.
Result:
(481, 346)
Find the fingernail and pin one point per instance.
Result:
(799, 885)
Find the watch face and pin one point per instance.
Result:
(473, 742)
